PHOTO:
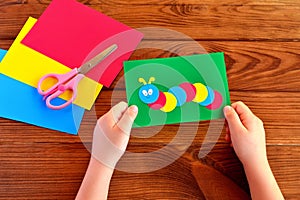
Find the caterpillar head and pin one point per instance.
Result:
(148, 93)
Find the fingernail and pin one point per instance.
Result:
(133, 108)
(227, 109)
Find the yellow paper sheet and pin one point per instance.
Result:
(28, 66)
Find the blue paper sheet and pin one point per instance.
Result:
(26, 105)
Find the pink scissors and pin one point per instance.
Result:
(70, 80)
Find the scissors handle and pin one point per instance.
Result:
(71, 85)
(61, 79)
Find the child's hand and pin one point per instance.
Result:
(110, 140)
(112, 133)
(246, 132)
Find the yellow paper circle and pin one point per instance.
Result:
(201, 92)
(171, 102)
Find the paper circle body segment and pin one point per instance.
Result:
(171, 102)
(201, 92)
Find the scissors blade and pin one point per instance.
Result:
(97, 59)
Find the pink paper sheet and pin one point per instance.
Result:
(71, 33)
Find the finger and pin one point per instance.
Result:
(227, 128)
(227, 133)
(245, 114)
(227, 138)
(234, 123)
(112, 117)
(126, 121)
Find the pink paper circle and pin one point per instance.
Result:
(217, 101)
(189, 89)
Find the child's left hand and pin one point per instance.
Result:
(111, 134)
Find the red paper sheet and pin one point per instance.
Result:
(71, 33)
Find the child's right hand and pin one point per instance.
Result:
(247, 134)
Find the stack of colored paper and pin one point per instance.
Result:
(65, 36)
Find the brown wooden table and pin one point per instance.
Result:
(260, 40)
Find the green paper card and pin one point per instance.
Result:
(177, 89)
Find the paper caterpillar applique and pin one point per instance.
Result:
(178, 95)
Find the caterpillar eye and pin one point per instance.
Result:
(150, 91)
(145, 93)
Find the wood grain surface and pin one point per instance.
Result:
(260, 40)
